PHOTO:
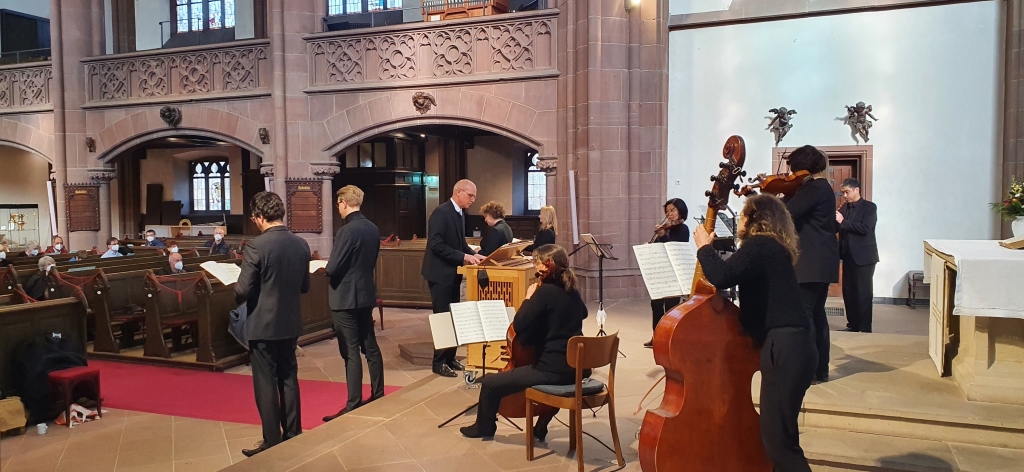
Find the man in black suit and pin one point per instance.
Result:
(352, 296)
(813, 210)
(446, 251)
(275, 273)
(859, 252)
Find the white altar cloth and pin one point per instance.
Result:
(989, 279)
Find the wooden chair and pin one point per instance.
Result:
(582, 353)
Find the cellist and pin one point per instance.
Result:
(552, 313)
(770, 312)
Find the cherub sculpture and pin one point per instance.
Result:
(780, 124)
(857, 118)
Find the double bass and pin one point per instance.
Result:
(706, 420)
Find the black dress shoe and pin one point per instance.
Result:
(474, 431)
(850, 330)
(540, 432)
(821, 378)
(456, 365)
(445, 371)
(256, 449)
(649, 344)
(342, 412)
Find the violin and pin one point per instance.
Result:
(778, 184)
(706, 420)
(665, 225)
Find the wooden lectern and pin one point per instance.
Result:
(509, 276)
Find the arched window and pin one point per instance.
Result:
(211, 186)
(347, 7)
(199, 15)
(536, 184)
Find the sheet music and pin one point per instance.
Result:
(227, 274)
(469, 328)
(494, 318)
(684, 262)
(721, 229)
(315, 265)
(442, 331)
(656, 268)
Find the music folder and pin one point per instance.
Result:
(471, 322)
(667, 268)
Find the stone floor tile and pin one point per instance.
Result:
(971, 458)
(374, 447)
(209, 464)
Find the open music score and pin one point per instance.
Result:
(471, 322)
(226, 273)
(506, 256)
(667, 268)
(316, 265)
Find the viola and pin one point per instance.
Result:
(778, 184)
(519, 354)
(706, 420)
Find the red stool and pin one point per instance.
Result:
(380, 309)
(66, 380)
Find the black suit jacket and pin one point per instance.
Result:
(814, 215)
(446, 245)
(497, 236)
(353, 260)
(168, 271)
(857, 243)
(275, 272)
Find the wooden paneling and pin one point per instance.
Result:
(83, 207)
(19, 323)
(305, 207)
(398, 277)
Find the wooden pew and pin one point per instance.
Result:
(19, 323)
(122, 264)
(94, 286)
(175, 302)
(9, 280)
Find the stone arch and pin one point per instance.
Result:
(17, 134)
(405, 122)
(110, 154)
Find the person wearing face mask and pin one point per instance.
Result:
(81, 255)
(4, 262)
(112, 249)
(218, 245)
(56, 246)
(172, 246)
(152, 241)
(36, 285)
(32, 249)
(174, 265)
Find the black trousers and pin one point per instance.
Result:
(788, 361)
(276, 384)
(661, 306)
(814, 295)
(441, 298)
(494, 387)
(354, 329)
(858, 291)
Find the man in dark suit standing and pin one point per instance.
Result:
(859, 252)
(274, 274)
(813, 209)
(446, 251)
(352, 296)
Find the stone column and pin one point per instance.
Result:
(326, 171)
(60, 156)
(103, 176)
(277, 53)
(97, 33)
(1013, 100)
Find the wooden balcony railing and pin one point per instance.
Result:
(25, 88)
(231, 70)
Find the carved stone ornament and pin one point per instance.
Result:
(780, 124)
(264, 136)
(171, 115)
(325, 170)
(267, 169)
(423, 101)
(102, 175)
(548, 164)
(90, 144)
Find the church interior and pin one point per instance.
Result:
(532, 178)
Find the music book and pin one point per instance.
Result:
(226, 273)
(667, 268)
(469, 323)
(315, 265)
(1013, 243)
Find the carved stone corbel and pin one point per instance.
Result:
(267, 169)
(548, 164)
(325, 170)
(102, 175)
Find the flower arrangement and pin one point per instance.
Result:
(1013, 206)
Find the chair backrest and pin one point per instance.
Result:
(597, 351)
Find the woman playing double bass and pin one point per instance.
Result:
(672, 229)
(552, 313)
(771, 312)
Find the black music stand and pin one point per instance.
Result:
(602, 251)
(483, 368)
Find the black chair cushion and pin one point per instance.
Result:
(589, 387)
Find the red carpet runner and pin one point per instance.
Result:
(206, 395)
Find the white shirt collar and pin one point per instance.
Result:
(457, 207)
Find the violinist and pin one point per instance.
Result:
(814, 216)
(772, 314)
(552, 313)
(671, 229)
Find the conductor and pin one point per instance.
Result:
(446, 251)
(275, 272)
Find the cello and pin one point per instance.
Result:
(519, 354)
(706, 420)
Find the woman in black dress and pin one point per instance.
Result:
(546, 234)
(552, 313)
(771, 312)
(673, 229)
(499, 233)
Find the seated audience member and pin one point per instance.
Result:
(174, 265)
(152, 241)
(113, 249)
(499, 234)
(218, 245)
(4, 262)
(81, 255)
(56, 246)
(36, 285)
(32, 249)
(546, 235)
(172, 246)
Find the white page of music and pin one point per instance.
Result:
(656, 268)
(468, 327)
(227, 274)
(684, 263)
(721, 229)
(494, 317)
(316, 265)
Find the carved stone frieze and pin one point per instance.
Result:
(548, 164)
(325, 170)
(102, 175)
(25, 87)
(267, 169)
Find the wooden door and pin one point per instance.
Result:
(840, 169)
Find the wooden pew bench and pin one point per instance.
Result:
(21, 322)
